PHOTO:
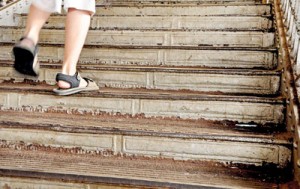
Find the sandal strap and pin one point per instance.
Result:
(73, 80)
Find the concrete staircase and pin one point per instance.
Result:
(190, 98)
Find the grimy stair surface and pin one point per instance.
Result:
(179, 10)
(212, 57)
(136, 172)
(186, 105)
(198, 53)
(172, 2)
(162, 22)
(246, 81)
(194, 140)
(149, 38)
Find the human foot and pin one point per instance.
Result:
(25, 53)
(73, 84)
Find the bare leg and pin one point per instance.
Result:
(24, 51)
(35, 21)
(77, 26)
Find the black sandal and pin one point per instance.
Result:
(74, 82)
(26, 58)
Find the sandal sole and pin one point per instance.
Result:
(66, 92)
(24, 61)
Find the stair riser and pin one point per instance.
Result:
(245, 84)
(154, 38)
(239, 10)
(174, 23)
(187, 149)
(164, 57)
(214, 109)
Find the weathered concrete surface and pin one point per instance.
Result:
(172, 2)
(130, 171)
(183, 149)
(161, 22)
(199, 141)
(209, 80)
(184, 40)
(215, 58)
(150, 103)
(154, 38)
(216, 10)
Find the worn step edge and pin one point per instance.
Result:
(211, 23)
(263, 58)
(192, 10)
(174, 69)
(257, 82)
(41, 88)
(151, 173)
(154, 38)
(223, 57)
(181, 3)
(141, 126)
(186, 105)
(155, 137)
(242, 152)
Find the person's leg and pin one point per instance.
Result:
(77, 26)
(25, 51)
(35, 21)
(39, 12)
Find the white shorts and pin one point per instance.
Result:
(55, 5)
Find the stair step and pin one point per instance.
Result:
(256, 82)
(79, 171)
(164, 23)
(179, 10)
(149, 38)
(201, 56)
(151, 103)
(172, 2)
(189, 140)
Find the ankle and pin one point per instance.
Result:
(68, 71)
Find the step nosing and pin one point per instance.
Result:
(184, 31)
(162, 69)
(151, 95)
(193, 5)
(204, 48)
(235, 137)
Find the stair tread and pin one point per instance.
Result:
(155, 38)
(117, 30)
(132, 171)
(141, 126)
(184, 10)
(182, 5)
(150, 102)
(41, 88)
(174, 23)
(203, 56)
(175, 2)
(204, 48)
(145, 68)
